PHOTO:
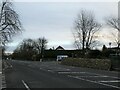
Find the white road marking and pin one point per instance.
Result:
(70, 72)
(67, 69)
(46, 70)
(88, 73)
(40, 68)
(43, 69)
(26, 86)
(94, 82)
(3, 81)
(110, 81)
(103, 75)
(93, 76)
(61, 68)
(50, 71)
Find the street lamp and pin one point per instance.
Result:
(110, 44)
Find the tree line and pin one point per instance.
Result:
(31, 49)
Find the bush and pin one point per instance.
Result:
(103, 64)
(94, 54)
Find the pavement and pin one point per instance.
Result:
(31, 74)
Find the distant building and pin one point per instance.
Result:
(50, 53)
(59, 48)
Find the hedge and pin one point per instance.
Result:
(103, 64)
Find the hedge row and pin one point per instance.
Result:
(103, 64)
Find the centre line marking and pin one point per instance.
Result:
(110, 81)
(93, 76)
(26, 86)
(51, 71)
(70, 72)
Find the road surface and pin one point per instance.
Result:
(26, 74)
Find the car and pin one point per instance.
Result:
(61, 57)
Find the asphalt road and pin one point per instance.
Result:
(24, 74)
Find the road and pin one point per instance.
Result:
(26, 74)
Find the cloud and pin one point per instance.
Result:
(54, 20)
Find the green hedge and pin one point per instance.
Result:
(115, 60)
(103, 64)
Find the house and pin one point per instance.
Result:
(59, 48)
(50, 53)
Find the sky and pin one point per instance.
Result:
(55, 20)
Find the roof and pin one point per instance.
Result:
(59, 48)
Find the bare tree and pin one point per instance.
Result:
(26, 49)
(116, 39)
(9, 22)
(115, 24)
(85, 28)
(40, 45)
(30, 48)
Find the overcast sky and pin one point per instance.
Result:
(54, 21)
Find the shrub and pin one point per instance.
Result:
(94, 54)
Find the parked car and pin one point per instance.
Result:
(61, 57)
